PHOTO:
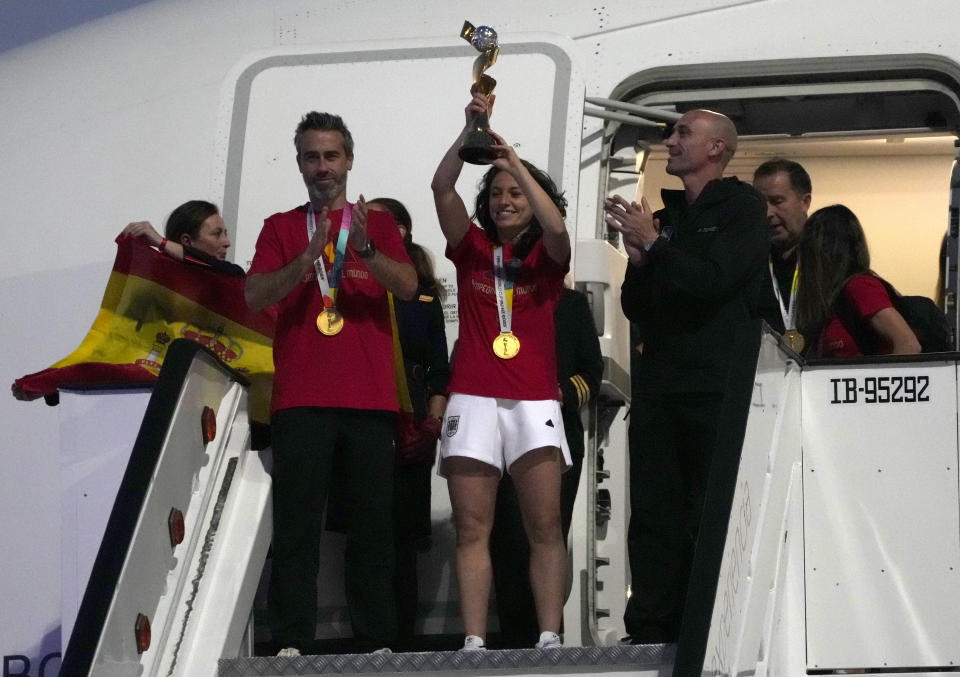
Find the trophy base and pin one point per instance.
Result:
(476, 155)
(476, 146)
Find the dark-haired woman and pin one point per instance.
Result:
(423, 342)
(503, 412)
(843, 309)
(195, 231)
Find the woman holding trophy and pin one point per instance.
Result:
(503, 413)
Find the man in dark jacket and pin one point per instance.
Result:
(694, 273)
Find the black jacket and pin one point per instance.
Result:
(194, 255)
(698, 289)
(579, 363)
(423, 341)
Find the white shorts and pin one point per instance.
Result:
(499, 431)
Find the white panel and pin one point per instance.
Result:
(783, 652)
(754, 551)
(418, 94)
(153, 572)
(395, 151)
(881, 521)
(97, 432)
(599, 261)
(216, 620)
(611, 541)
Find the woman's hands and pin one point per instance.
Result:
(506, 158)
(145, 230)
(480, 104)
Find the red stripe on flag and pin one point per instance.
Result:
(220, 293)
(83, 376)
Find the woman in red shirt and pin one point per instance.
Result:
(843, 309)
(503, 413)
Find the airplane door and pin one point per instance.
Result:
(403, 102)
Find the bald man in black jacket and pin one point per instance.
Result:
(691, 286)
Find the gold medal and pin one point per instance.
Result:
(330, 322)
(794, 339)
(506, 345)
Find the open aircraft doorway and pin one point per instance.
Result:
(878, 134)
(875, 133)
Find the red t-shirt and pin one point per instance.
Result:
(353, 369)
(865, 295)
(532, 374)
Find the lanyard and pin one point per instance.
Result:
(788, 314)
(328, 287)
(503, 287)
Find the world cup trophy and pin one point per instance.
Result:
(476, 145)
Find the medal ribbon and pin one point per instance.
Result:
(503, 287)
(328, 287)
(788, 314)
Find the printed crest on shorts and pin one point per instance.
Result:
(453, 423)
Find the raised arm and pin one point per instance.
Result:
(145, 230)
(556, 240)
(451, 212)
(262, 290)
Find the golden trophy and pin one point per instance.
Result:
(476, 146)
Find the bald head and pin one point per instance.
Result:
(718, 127)
(699, 148)
(701, 143)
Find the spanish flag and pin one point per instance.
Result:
(150, 300)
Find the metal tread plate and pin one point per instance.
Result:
(580, 659)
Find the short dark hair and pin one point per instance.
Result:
(481, 210)
(187, 218)
(323, 122)
(799, 179)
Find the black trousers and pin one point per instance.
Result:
(510, 557)
(411, 536)
(305, 441)
(672, 439)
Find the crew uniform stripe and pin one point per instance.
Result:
(576, 386)
(586, 389)
(583, 391)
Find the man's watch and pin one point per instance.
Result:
(654, 241)
(368, 251)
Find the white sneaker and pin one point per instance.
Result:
(289, 652)
(549, 640)
(473, 643)
(384, 650)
